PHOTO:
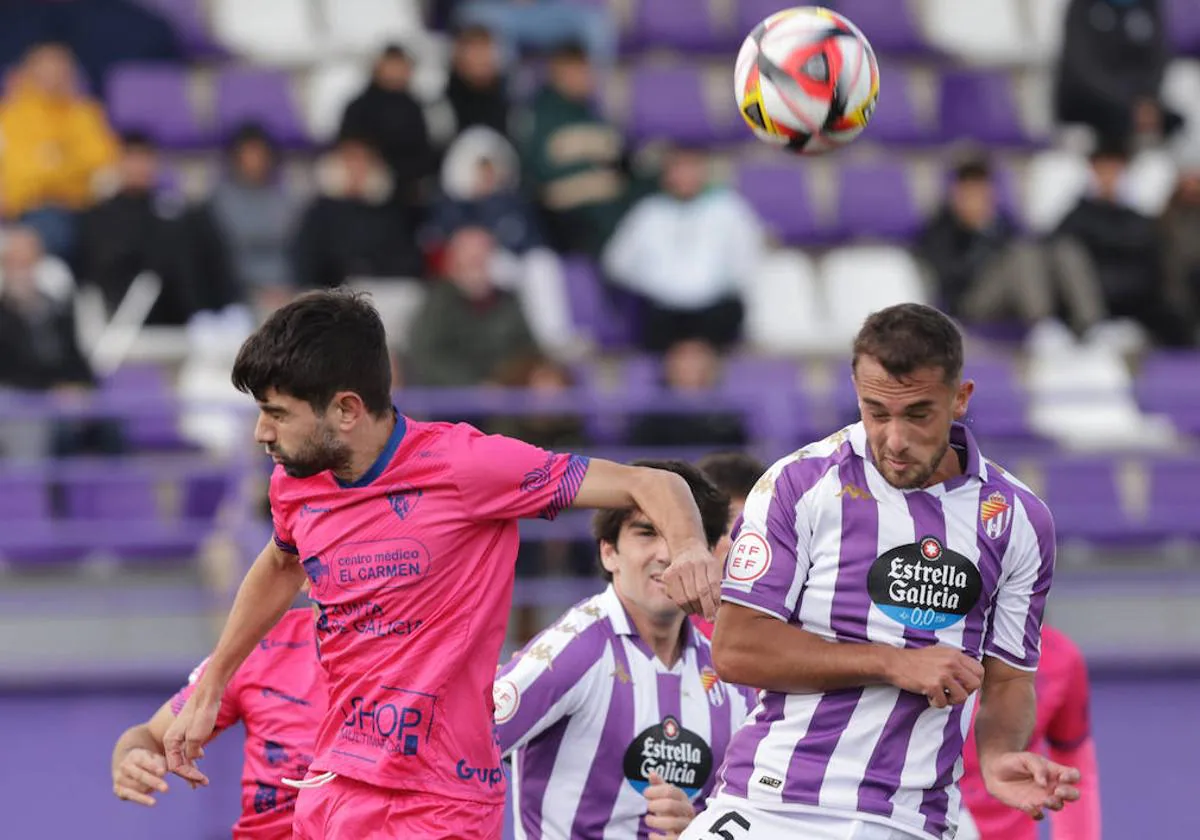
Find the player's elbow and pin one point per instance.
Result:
(736, 656)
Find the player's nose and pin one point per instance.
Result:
(263, 433)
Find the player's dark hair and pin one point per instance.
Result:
(712, 502)
(319, 344)
(908, 337)
(734, 473)
(973, 169)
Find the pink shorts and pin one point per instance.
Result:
(345, 809)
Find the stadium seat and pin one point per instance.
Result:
(1151, 181)
(362, 27)
(981, 31)
(188, 19)
(154, 99)
(1082, 491)
(658, 23)
(781, 196)
(875, 201)
(980, 105)
(592, 309)
(671, 105)
(1158, 391)
(1056, 179)
(1181, 91)
(750, 13)
(1046, 17)
(891, 26)
(1171, 506)
(118, 497)
(784, 312)
(1183, 26)
(859, 280)
(270, 31)
(330, 87)
(263, 96)
(896, 120)
(154, 424)
(23, 497)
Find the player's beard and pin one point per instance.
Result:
(321, 452)
(917, 479)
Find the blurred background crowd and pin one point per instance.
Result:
(573, 239)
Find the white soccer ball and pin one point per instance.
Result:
(806, 80)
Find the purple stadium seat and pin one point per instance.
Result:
(23, 498)
(1158, 390)
(980, 105)
(669, 104)
(1171, 511)
(890, 25)
(896, 119)
(203, 495)
(121, 497)
(780, 194)
(187, 18)
(153, 98)
(1183, 26)
(750, 13)
(1082, 492)
(262, 96)
(658, 23)
(591, 308)
(153, 423)
(875, 201)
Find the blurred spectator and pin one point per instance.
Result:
(690, 367)
(542, 376)
(985, 270)
(136, 231)
(545, 24)
(240, 235)
(1113, 60)
(388, 116)
(686, 252)
(55, 142)
(353, 228)
(1181, 232)
(480, 188)
(467, 329)
(477, 89)
(1125, 251)
(575, 161)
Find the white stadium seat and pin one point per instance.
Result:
(1056, 180)
(981, 31)
(1150, 181)
(1181, 91)
(1047, 17)
(784, 311)
(859, 280)
(361, 27)
(270, 31)
(330, 87)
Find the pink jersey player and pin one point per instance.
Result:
(408, 533)
(279, 694)
(1063, 729)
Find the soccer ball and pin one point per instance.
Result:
(806, 80)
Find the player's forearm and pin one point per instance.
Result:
(1007, 711)
(759, 651)
(264, 596)
(135, 738)
(667, 501)
(1080, 820)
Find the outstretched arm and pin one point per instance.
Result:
(139, 761)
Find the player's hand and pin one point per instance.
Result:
(945, 675)
(138, 776)
(693, 581)
(1030, 782)
(669, 810)
(185, 739)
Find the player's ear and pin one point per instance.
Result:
(608, 556)
(962, 397)
(347, 408)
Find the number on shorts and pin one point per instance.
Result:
(718, 828)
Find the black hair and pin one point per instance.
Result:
(712, 502)
(973, 169)
(319, 344)
(909, 336)
(734, 473)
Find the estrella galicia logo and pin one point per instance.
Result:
(404, 499)
(316, 569)
(924, 585)
(538, 478)
(678, 755)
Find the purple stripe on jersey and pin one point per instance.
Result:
(535, 764)
(881, 779)
(936, 801)
(568, 486)
(991, 560)
(859, 546)
(670, 701)
(806, 770)
(743, 745)
(603, 786)
(1043, 528)
(929, 520)
(286, 546)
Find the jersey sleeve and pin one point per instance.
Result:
(769, 559)
(230, 711)
(279, 516)
(504, 478)
(1069, 725)
(547, 680)
(1014, 633)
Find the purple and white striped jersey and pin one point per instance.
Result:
(828, 545)
(589, 711)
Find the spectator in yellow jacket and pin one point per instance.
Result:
(53, 142)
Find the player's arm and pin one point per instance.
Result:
(1069, 737)
(139, 762)
(694, 578)
(264, 596)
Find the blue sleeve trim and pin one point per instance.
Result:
(568, 486)
(286, 546)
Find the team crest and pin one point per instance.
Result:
(712, 686)
(404, 500)
(995, 513)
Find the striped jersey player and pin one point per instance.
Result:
(614, 716)
(877, 580)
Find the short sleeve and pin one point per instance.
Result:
(230, 711)
(1070, 723)
(769, 558)
(279, 519)
(546, 681)
(504, 478)
(1014, 632)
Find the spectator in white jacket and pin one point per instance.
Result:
(686, 252)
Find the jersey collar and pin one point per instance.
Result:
(385, 457)
(622, 624)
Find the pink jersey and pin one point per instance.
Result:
(412, 569)
(1062, 723)
(279, 694)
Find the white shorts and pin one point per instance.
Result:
(727, 818)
